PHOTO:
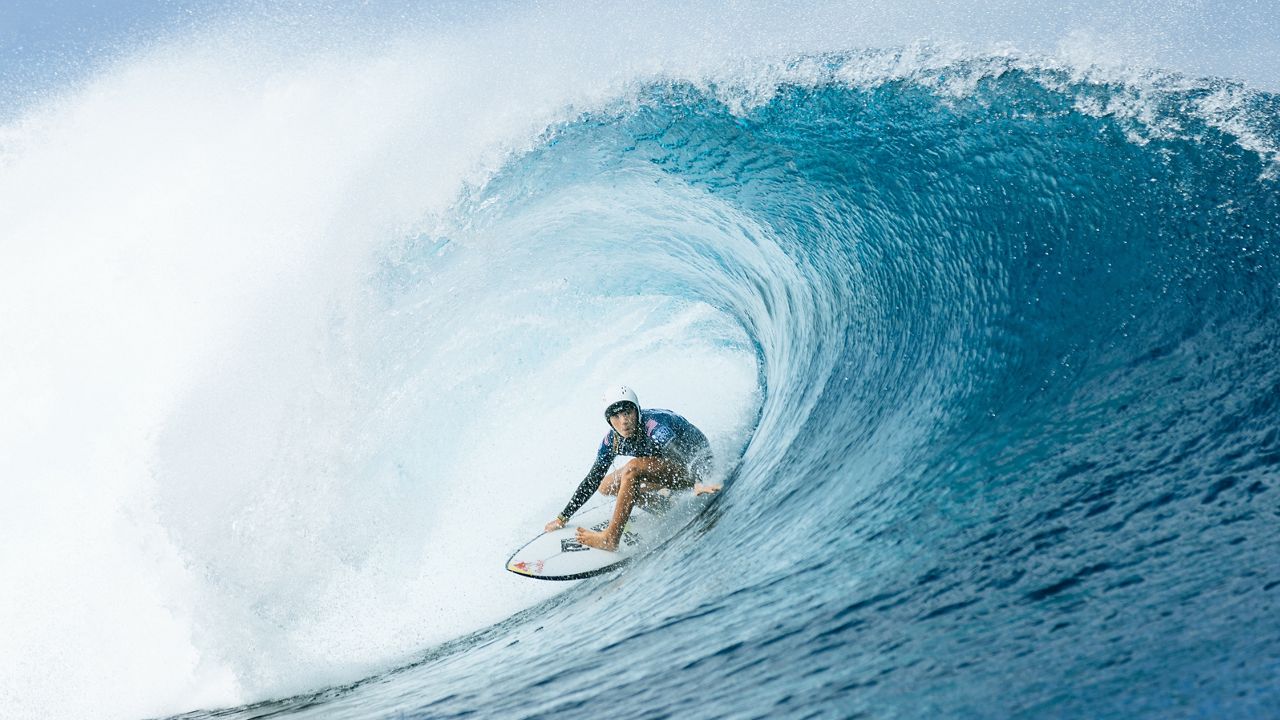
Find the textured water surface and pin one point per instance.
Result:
(304, 329)
(1017, 449)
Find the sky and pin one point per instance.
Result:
(45, 44)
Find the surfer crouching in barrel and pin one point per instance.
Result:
(668, 452)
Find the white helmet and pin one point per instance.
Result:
(615, 394)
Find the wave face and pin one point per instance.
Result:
(985, 343)
(1019, 415)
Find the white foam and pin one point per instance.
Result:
(231, 469)
(214, 493)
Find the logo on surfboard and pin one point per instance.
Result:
(526, 568)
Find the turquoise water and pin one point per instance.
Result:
(308, 339)
(1016, 454)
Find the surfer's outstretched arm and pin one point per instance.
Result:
(586, 488)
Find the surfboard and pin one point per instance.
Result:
(557, 555)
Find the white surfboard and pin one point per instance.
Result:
(558, 555)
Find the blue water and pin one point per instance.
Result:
(1016, 450)
(305, 315)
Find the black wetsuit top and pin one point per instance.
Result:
(663, 434)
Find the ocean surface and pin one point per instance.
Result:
(302, 340)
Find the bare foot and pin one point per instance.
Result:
(700, 489)
(596, 539)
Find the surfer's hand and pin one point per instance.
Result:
(555, 524)
(700, 489)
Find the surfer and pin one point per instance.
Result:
(669, 454)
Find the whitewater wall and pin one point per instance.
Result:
(303, 331)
